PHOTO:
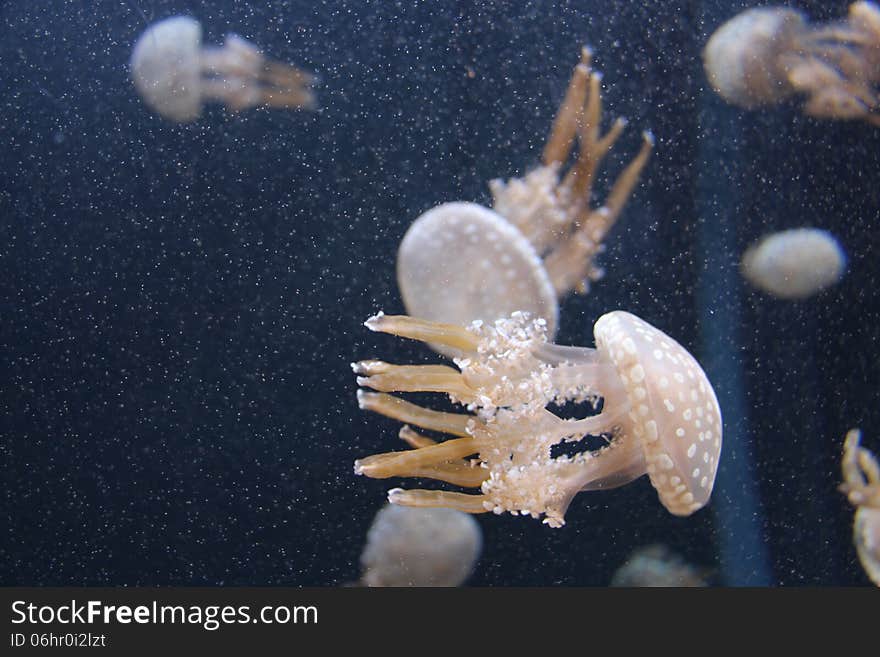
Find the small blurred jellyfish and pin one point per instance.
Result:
(767, 54)
(420, 547)
(861, 484)
(794, 264)
(175, 74)
(657, 565)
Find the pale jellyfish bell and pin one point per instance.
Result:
(795, 263)
(461, 262)
(767, 54)
(658, 408)
(175, 74)
(407, 546)
(657, 566)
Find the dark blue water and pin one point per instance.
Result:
(179, 305)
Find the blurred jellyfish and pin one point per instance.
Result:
(658, 410)
(767, 54)
(861, 484)
(657, 565)
(175, 74)
(461, 261)
(794, 264)
(420, 547)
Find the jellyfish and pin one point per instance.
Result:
(175, 74)
(794, 264)
(659, 415)
(657, 565)
(460, 261)
(768, 54)
(861, 484)
(420, 547)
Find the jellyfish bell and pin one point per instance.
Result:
(175, 74)
(657, 405)
(461, 262)
(674, 410)
(408, 546)
(656, 565)
(166, 69)
(794, 264)
(741, 58)
(866, 536)
(496, 271)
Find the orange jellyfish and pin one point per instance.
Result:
(767, 54)
(175, 74)
(460, 262)
(861, 484)
(658, 408)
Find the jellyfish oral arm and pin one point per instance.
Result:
(622, 464)
(551, 208)
(239, 76)
(861, 473)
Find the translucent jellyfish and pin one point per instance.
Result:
(794, 264)
(765, 55)
(175, 74)
(657, 565)
(861, 484)
(420, 547)
(659, 415)
(460, 262)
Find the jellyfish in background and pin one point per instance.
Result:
(861, 484)
(794, 264)
(420, 547)
(657, 565)
(657, 406)
(765, 55)
(460, 262)
(175, 74)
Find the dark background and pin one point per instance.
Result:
(179, 305)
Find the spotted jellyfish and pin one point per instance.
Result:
(657, 407)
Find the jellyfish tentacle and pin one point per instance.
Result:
(455, 424)
(627, 180)
(457, 473)
(606, 143)
(386, 377)
(413, 438)
(579, 180)
(565, 125)
(861, 472)
(842, 34)
(298, 97)
(870, 467)
(403, 464)
(570, 264)
(287, 76)
(423, 330)
(469, 503)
